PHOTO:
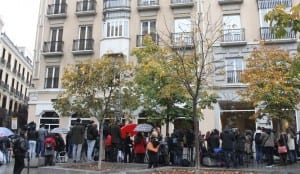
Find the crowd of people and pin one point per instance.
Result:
(228, 148)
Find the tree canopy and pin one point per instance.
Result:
(271, 86)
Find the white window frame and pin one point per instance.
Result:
(55, 69)
(236, 67)
(87, 35)
(116, 28)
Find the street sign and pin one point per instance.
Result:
(14, 123)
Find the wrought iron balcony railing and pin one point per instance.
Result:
(86, 6)
(140, 39)
(270, 4)
(147, 3)
(56, 9)
(183, 39)
(83, 44)
(234, 76)
(266, 34)
(53, 46)
(181, 1)
(233, 35)
(108, 4)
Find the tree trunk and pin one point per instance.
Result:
(196, 130)
(101, 124)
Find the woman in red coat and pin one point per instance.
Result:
(139, 146)
(50, 145)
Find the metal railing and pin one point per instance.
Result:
(147, 3)
(234, 76)
(84, 6)
(182, 39)
(56, 9)
(269, 4)
(232, 35)
(266, 33)
(181, 1)
(53, 46)
(83, 44)
(116, 4)
(140, 39)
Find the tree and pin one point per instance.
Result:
(271, 85)
(281, 21)
(90, 87)
(158, 91)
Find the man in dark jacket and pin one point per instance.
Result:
(92, 133)
(115, 131)
(228, 139)
(77, 139)
(20, 149)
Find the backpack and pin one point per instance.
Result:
(17, 147)
(257, 138)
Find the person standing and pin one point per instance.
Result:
(228, 140)
(42, 133)
(92, 133)
(77, 139)
(291, 142)
(258, 145)
(139, 149)
(268, 145)
(20, 148)
(152, 150)
(115, 140)
(32, 139)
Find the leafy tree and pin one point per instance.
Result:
(281, 21)
(271, 85)
(158, 91)
(90, 87)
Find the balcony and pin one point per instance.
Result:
(140, 39)
(227, 2)
(147, 5)
(83, 46)
(86, 8)
(116, 5)
(234, 76)
(6, 86)
(182, 4)
(3, 61)
(53, 48)
(270, 4)
(57, 11)
(182, 40)
(267, 35)
(233, 37)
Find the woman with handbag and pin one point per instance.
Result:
(282, 148)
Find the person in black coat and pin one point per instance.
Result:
(19, 152)
(116, 138)
(228, 140)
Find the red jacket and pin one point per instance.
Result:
(108, 141)
(140, 148)
(50, 140)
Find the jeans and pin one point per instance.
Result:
(178, 155)
(269, 151)
(292, 156)
(40, 148)
(259, 154)
(229, 157)
(32, 148)
(91, 145)
(76, 152)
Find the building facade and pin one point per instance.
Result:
(15, 79)
(70, 31)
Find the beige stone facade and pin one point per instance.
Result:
(15, 79)
(71, 30)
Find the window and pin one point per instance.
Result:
(232, 27)
(234, 68)
(182, 29)
(85, 37)
(50, 119)
(52, 75)
(148, 27)
(3, 53)
(56, 39)
(116, 28)
(59, 6)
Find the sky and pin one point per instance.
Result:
(20, 21)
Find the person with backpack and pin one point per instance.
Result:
(50, 145)
(92, 133)
(258, 145)
(20, 148)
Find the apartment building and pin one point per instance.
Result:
(15, 79)
(244, 27)
(70, 31)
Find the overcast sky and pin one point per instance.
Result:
(20, 21)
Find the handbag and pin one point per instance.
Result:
(282, 149)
